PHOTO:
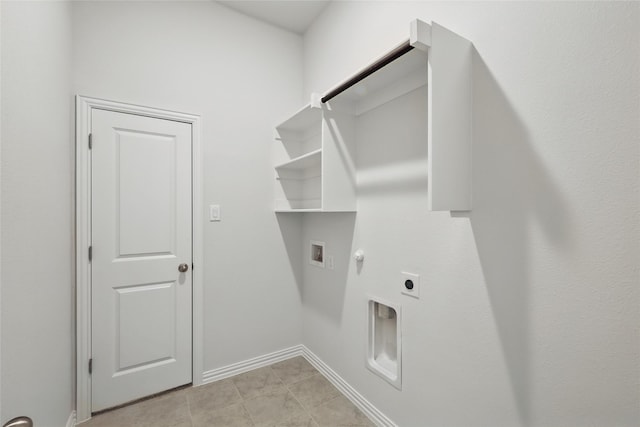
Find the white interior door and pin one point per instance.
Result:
(141, 233)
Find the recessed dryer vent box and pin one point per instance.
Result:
(384, 355)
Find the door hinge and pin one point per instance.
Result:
(90, 253)
(91, 366)
(90, 141)
(191, 266)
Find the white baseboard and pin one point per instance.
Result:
(71, 422)
(248, 365)
(345, 388)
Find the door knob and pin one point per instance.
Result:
(183, 267)
(19, 422)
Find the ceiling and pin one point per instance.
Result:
(295, 16)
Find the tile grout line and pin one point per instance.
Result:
(337, 396)
(242, 399)
(308, 410)
(186, 397)
(286, 387)
(305, 409)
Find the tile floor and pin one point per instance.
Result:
(291, 393)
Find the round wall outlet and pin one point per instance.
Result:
(410, 284)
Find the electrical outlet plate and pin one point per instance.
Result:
(415, 278)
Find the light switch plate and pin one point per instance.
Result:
(214, 212)
(415, 279)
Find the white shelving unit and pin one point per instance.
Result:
(319, 175)
(319, 139)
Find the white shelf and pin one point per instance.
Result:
(441, 60)
(312, 210)
(306, 161)
(297, 210)
(308, 204)
(297, 177)
(320, 141)
(302, 120)
(316, 178)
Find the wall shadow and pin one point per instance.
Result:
(325, 289)
(392, 152)
(290, 225)
(513, 197)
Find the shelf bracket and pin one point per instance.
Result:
(316, 100)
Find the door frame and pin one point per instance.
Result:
(84, 106)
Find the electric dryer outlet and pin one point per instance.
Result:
(410, 284)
